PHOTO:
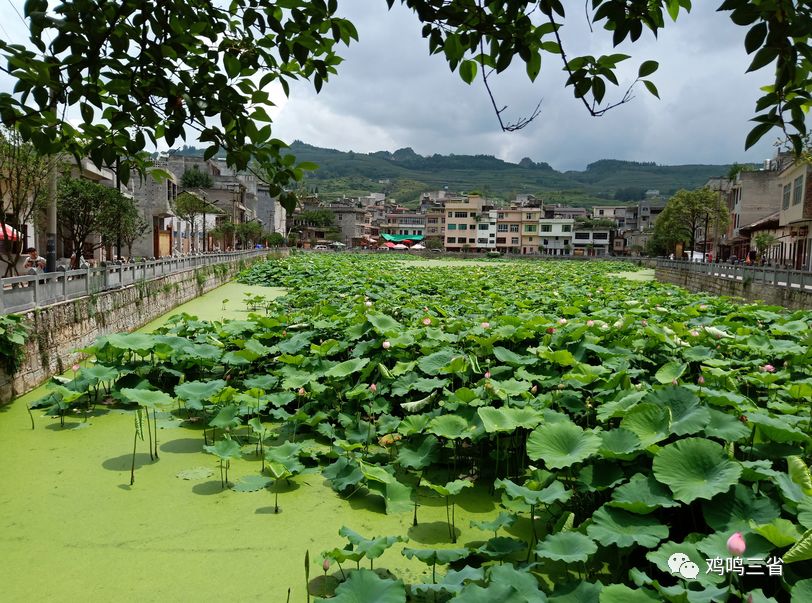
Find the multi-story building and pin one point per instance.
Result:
(556, 236)
(462, 215)
(403, 221)
(509, 230)
(592, 241)
(565, 211)
(616, 213)
(269, 210)
(155, 198)
(795, 182)
(486, 230)
(351, 222)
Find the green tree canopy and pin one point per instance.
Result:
(195, 178)
(685, 213)
(141, 73)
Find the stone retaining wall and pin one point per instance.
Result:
(56, 332)
(792, 299)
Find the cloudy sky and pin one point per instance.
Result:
(390, 94)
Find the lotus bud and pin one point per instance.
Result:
(590, 323)
(368, 304)
(618, 324)
(562, 321)
(736, 545)
(284, 333)
(75, 367)
(373, 388)
(768, 368)
(534, 389)
(551, 330)
(302, 391)
(485, 325)
(325, 565)
(694, 333)
(700, 380)
(703, 307)
(743, 418)
(487, 374)
(600, 289)
(427, 321)
(386, 345)
(644, 322)
(673, 382)
(425, 308)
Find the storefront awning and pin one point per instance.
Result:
(401, 238)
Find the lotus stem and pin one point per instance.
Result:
(149, 433)
(343, 575)
(448, 520)
(132, 469)
(453, 523)
(31, 416)
(155, 424)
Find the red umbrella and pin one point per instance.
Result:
(390, 245)
(9, 234)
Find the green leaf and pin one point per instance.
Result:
(695, 468)
(227, 417)
(562, 444)
(670, 372)
(365, 586)
(569, 547)
(385, 325)
(733, 510)
(147, 398)
(802, 591)
(450, 427)
(252, 483)
(436, 363)
(421, 454)
(649, 422)
(647, 68)
(651, 88)
(799, 473)
(801, 551)
(642, 494)
(780, 532)
(346, 368)
(623, 529)
(436, 556)
(225, 449)
(468, 69)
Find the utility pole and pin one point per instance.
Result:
(50, 245)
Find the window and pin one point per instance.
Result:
(500, 215)
(459, 214)
(600, 212)
(462, 227)
(530, 227)
(530, 239)
(546, 228)
(500, 240)
(452, 239)
(432, 220)
(546, 242)
(797, 192)
(451, 227)
(340, 216)
(528, 216)
(514, 240)
(472, 240)
(566, 228)
(450, 214)
(483, 227)
(600, 235)
(581, 236)
(501, 227)
(482, 241)
(514, 228)
(787, 195)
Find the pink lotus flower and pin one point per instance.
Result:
(425, 308)
(487, 374)
(562, 321)
(373, 388)
(386, 345)
(768, 368)
(427, 321)
(551, 330)
(673, 382)
(700, 380)
(736, 545)
(325, 565)
(485, 325)
(644, 322)
(75, 367)
(590, 323)
(694, 333)
(703, 307)
(302, 391)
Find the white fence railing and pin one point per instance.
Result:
(27, 292)
(764, 275)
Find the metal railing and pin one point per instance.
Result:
(775, 276)
(30, 291)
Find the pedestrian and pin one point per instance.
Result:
(34, 263)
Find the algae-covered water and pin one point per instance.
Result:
(73, 529)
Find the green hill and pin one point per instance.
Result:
(404, 174)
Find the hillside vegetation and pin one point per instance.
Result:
(404, 174)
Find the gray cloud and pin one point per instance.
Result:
(390, 93)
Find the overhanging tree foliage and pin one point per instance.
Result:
(194, 178)
(143, 73)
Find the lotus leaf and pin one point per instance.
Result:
(570, 547)
(642, 494)
(436, 556)
(365, 586)
(624, 529)
(649, 422)
(801, 550)
(252, 483)
(562, 444)
(695, 468)
(577, 592)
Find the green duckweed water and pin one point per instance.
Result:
(73, 529)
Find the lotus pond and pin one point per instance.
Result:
(388, 431)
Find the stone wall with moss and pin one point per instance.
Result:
(57, 333)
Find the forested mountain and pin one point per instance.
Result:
(404, 174)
